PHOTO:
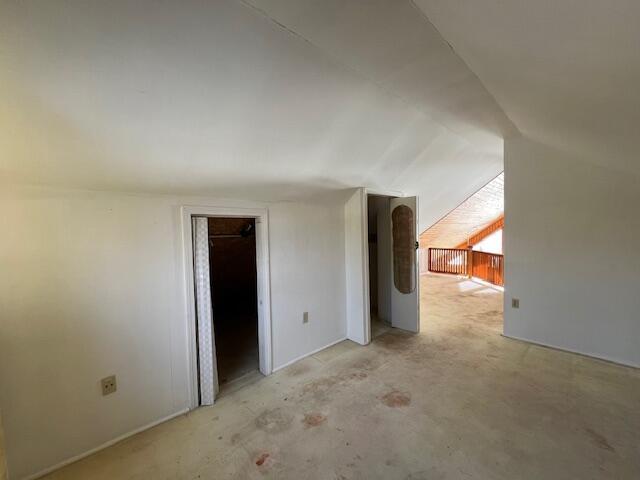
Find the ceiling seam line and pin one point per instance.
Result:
(358, 73)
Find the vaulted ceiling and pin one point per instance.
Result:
(269, 100)
(566, 72)
(477, 212)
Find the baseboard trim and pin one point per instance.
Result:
(155, 423)
(107, 444)
(309, 354)
(576, 352)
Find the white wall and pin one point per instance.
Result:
(356, 267)
(491, 243)
(307, 275)
(572, 240)
(92, 284)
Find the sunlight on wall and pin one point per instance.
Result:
(490, 244)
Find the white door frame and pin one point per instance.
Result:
(357, 263)
(263, 285)
(365, 252)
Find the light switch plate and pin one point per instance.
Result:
(109, 385)
(515, 303)
(305, 317)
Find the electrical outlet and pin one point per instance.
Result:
(108, 385)
(305, 317)
(515, 303)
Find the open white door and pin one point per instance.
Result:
(405, 282)
(207, 365)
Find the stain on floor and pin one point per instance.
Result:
(314, 419)
(396, 399)
(599, 439)
(457, 400)
(322, 386)
(274, 420)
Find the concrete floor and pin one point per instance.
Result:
(456, 401)
(3, 462)
(236, 346)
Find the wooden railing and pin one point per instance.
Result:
(466, 262)
(488, 267)
(449, 260)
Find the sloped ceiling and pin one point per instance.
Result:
(565, 71)
(268, 100)
(477, 212)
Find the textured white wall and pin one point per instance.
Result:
(92, 284)
(571, 252)
(307, 275)
(492, 243)
(356, 267)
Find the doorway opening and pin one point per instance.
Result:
(233, 285)
(228, 307)
(462, 261)
(379, 243)
(392, 265)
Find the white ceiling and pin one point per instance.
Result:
(269, 100)
(566, 72)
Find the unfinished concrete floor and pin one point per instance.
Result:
(456, 401)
